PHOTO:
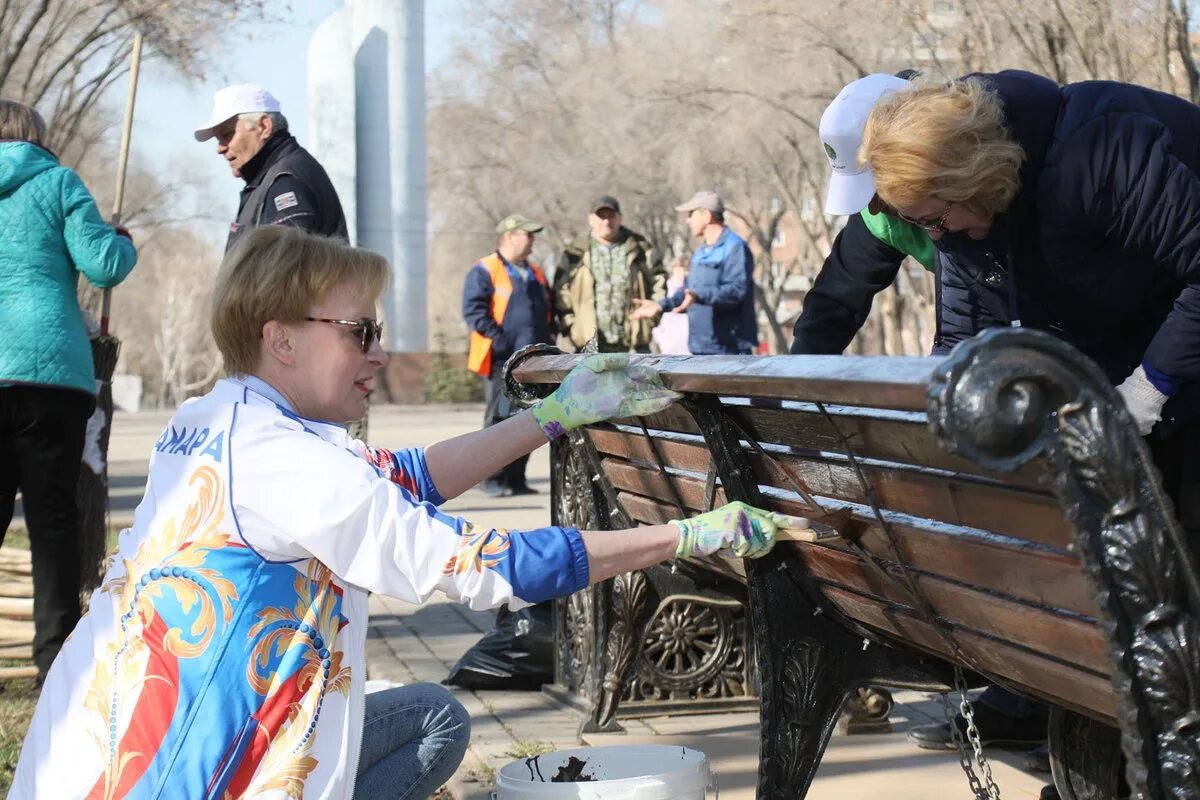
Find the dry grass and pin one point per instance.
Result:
(17, 701)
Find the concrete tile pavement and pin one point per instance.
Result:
(408, 643)
(421, 643)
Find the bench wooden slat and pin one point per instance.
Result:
(1034, 576)
(684, 455)
(16, 632)
(675, 419)
(1003, 565)
(16, 607)
(16, 652)
(651, 483)
(1036, 517)
(903, 439)
(897, 382)
(1027, 622)
(1080, 641)
(1011, 512)
(15, 586)
(1074, 688)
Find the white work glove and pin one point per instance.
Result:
(1143, 399)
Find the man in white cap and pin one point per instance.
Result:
(868, 251)
(284, 184)
(718, 293)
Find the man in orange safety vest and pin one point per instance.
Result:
(507, 305)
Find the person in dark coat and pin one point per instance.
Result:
(285, 185)
(1070, 209)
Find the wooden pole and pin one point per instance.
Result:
(123, 162)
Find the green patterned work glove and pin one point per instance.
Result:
(734, 529)
(601, 386)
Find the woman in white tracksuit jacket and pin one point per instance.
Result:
(222, 655)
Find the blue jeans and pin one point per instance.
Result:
(414, 737)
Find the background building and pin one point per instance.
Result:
(366, 101)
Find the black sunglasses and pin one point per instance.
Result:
(370, 330)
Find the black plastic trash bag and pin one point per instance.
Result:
(517, 653)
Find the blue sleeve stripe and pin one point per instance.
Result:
(545, 563)
(411, 461)
(1161, 380)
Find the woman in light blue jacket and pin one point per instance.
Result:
(50, 232)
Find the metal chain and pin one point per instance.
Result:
(987, 788)
(964, 759)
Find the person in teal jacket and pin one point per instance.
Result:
(50, 233)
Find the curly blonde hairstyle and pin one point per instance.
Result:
(949, 142)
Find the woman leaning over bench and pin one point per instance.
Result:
(223, 652)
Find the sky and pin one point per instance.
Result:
(274, 55)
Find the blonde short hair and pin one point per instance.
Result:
(21, 122)
(280, 273)
(949, 142)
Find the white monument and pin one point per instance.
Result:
(366, 101)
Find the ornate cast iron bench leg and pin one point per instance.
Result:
(1007, 396)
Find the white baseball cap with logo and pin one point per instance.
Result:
(241, 98)
(851, 187)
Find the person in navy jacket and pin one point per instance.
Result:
(1070, 209)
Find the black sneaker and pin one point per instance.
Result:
(524, 490)
(995, 729)
(1049, 793)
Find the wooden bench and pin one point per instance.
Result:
(997, 520)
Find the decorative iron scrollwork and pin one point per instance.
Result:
(575, 651)
(693, 648)
(628, 603)
(1007, 396)
(802, 679)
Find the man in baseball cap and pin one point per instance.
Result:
(506, 305)
(241, 98)
(718, 293)
(704, 200)
(284, 184)
(600, 274)
(851, 187)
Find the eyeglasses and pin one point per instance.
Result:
(938, 226)
(369, 330)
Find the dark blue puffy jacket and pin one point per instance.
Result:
(1103, 238)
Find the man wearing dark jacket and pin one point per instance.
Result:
(506, 304)
(284, 184)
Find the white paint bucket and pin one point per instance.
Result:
(620, 772)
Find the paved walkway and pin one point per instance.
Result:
(408, 643)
